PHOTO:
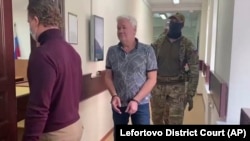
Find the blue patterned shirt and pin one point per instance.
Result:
(130, 70)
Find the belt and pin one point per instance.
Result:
(170, 80)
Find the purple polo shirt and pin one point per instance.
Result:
(55, 79)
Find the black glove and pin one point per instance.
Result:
(190, 102)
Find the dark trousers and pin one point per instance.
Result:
(141, 117)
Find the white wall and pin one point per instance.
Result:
(239, 93)
(224, 39)
(203, 28)
(22, 26)
(214, 12)
(209, 32)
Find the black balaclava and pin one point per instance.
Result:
(175, 30)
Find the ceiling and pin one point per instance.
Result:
(189, 8)
(168, 5)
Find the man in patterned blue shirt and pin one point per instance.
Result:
(131, 74)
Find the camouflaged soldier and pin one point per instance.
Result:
(175, 54)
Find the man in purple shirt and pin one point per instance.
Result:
(55, 79)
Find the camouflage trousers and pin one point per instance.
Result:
(168, 103)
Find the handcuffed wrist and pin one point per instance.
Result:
(135, 101)
(113, 96)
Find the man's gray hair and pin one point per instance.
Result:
(131, 19)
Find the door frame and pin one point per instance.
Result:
(8, 118)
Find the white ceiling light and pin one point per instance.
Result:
(163, 16)
(176, 1)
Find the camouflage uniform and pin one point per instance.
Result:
(170, 94)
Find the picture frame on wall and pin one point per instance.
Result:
(96, 38)
(73, 28)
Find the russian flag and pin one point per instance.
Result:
(17, 52)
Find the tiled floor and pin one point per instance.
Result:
(195, 116)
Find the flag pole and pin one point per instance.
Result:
(15, 34)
